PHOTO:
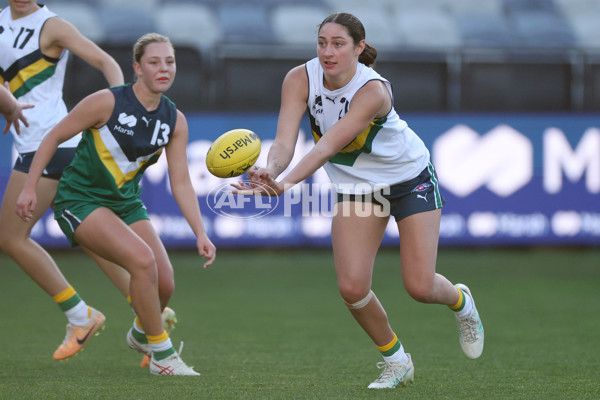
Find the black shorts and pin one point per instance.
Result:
(414, 196)
(61, 159)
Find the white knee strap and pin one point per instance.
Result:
(361, 303)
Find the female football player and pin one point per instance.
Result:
(380, 167)
(98, 205)
(34, 47)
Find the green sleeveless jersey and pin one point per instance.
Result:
(110, 161)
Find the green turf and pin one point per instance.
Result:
(271, 325)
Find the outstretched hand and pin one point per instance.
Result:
(260, 183)
(15, 116)
(14, 112)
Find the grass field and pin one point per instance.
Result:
(271, 325)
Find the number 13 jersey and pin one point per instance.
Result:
(110, 161)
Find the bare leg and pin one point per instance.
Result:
(419, 234)
(117, 274)
(356, 239)
(31, 257)
(105, 234)
(166, 280)
(14, 234)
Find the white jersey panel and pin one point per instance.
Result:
(32, 77)
(387, 152)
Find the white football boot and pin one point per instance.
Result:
(172, 365)
(169, 320)
(143, 348)
(393, 374)
(470, 329)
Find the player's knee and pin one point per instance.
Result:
(166, 288)
(143, 266)
(356, 297)
(420, 291)
(357, 305)
(12, 245)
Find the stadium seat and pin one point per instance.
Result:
(517, 6)
(82, 16)
(142, 4)
(125, 24)
(583, 17)
(297, 24)
(578, 7)
(586, 30)
(485, 30)
(52, 3)
(210, 3)
(405, 5)
(542, 29)
(340, 5)
(377, 23)
(189, 24)
(245, 23)
(483, 6)
(433, 28)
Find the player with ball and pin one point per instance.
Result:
(361, 140)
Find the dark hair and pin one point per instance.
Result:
(356, 30)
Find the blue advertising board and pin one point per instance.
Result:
(507, 180)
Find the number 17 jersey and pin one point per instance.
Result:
(110, 161)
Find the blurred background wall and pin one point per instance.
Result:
(505, 93)
(440, 55)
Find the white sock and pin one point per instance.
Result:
(467, 308)
(161, 346)
(78, 315)
(398, 357)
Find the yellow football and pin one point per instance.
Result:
(233, 153)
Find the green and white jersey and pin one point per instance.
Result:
(110, 161)
(387, 152)
(32, 77)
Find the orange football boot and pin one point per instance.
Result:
(77, 336)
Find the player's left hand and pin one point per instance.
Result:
(206, 249)
(15, 116)
(26, 203)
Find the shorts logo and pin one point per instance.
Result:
(421, 188)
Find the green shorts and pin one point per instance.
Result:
(416, 195)
(69, 214)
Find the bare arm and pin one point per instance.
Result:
(183, 191)
(59, 34)
(94, 110)
(294, 95)
(370, 101)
